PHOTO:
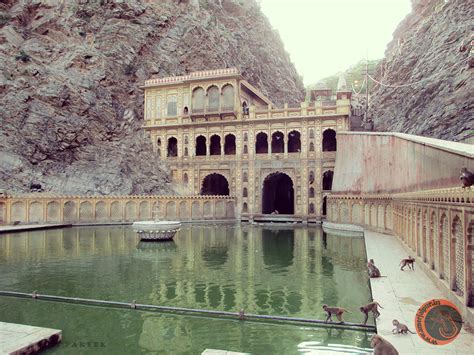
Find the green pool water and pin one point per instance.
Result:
(264, 270)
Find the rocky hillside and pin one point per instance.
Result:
(71, 106)
(426, 46)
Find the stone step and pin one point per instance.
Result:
(16, 339)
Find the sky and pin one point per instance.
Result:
(324, 37)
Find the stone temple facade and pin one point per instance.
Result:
(222, 136)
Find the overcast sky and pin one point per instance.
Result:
(327, 36)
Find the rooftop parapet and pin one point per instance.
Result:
(198, 75)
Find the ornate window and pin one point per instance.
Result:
(172, 106)
(213, 99)
(198, 100)
(228, 97)
(158, 107)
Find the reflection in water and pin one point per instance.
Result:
(277, 247)
(218, 268)
(157, 247)
(215, 256)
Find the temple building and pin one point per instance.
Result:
(222, 136)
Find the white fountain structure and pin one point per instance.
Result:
(156, 230)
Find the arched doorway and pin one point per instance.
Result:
(215, 184)
(278, 194)
(329, 141)
(327, 180)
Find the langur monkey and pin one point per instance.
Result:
(371, 307)
(338, 311)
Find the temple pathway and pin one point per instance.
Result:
(401, 293)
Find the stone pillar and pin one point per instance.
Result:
(269, 145)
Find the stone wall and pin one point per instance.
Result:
(437, 225)
(36, 208)
(396, 162)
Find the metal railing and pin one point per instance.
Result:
(241, 315)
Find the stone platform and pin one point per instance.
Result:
(401, 293)
(220, 352)
(18, 339)
(30, 227)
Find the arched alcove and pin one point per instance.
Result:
(215, 184)
(327, 180)
(261, 143)
(229, 144)
(200, 145)
(172, 147)
(278, 194)
(215, 148)
(278, 143)
(329, 141)
(294, 142)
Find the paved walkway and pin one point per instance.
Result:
(401, 293)
(20, 339)
(28, 227)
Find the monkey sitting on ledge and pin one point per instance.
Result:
(373, 270)
(467, 178)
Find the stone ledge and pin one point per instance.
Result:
(349, 230)
(16, 339)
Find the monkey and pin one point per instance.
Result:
(400, 328)
(242, 314)
(338, 311)
(373, 270)
(371, 307)
(382, 346)
(466, 177)
(410, 262)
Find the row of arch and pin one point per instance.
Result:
(216, 184)
(439, 242)
(262, 145)
(101, 211)
(213, 99)
(434, 234)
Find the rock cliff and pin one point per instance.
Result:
(71, 103)
(425, 47)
